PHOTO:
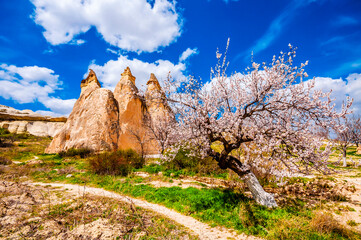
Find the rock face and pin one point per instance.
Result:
(93, 123)
(101, 120)
(156, 102)
(26, 121)
(131, 112)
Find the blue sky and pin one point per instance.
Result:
(47, 47)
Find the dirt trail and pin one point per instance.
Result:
(35, 160)
(203, 230)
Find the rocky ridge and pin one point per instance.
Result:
(27, 121)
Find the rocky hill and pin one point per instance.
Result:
(27, 121)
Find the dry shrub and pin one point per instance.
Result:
(324, 222)
(2, 169)
(115, 163)
(67, 170)
(316, 189)
(5, 161)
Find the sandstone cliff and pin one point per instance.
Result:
(26, 121)
(93, 123)
(101, 120)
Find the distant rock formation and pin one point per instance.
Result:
(26, 121)
(103, 121)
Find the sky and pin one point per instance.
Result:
(47, 46)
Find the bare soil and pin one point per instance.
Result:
(31, 211)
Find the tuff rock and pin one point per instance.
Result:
(93, 122)
(103, 121)
(27, 121)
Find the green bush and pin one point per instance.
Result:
(72, 152)
(115, 163)
(184, 164)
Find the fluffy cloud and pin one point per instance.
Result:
(109, 73)
(187, 53)
(32, 83)
(351, 86)
(133, 25)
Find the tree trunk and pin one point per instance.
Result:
(344, 162)
(259, 194)
(344, 158)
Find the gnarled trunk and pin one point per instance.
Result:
(259, 194)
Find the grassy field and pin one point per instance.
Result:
(306, 207)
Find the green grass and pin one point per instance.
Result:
(213, 206)
(217, 207)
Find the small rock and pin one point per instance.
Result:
(69, 176)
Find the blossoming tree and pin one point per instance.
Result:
(267, 113)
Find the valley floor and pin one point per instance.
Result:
(47, 196)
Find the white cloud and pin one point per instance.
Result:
(77, 42)
(187, 53)
(351, 86)
(32, 83)
(112, 51)
(109, 73)
(133, 25)
(49, 113)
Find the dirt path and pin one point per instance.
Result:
(35, 160)
(203, 230)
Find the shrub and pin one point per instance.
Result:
(4, 131)
(325, 223)
(6, 138)
(115, 163)
(72, 152)
(193, 164)
(5, 161)
(133, 158)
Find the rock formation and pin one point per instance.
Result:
(156, 102)
(101, 120)
(131, 112)
(26, 121)
(93, 123)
